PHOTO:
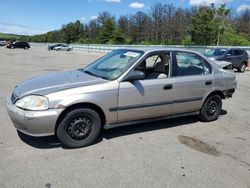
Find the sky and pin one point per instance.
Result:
(29, 17)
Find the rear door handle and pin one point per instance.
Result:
(168, 86)
(209, 82)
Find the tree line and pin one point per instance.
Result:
(162, 24)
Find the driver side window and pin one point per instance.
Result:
(155, 66)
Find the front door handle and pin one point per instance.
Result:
(168, 86)
(209, 82)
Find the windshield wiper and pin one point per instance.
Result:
(90, 73)
(98, 76)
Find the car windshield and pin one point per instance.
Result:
(114, 64)
(215, 52)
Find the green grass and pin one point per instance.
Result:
(9, 36)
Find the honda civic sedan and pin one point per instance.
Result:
(126, 86)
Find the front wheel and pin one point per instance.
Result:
(211, 109)
(79, 128)
(242, 67)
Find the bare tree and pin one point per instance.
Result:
(139, 27)
(242, 23)
(158, 18)
(103, 16)
(123, 24)
(93, 31)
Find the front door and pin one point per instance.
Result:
(151, 97)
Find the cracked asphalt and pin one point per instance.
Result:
(181, 152)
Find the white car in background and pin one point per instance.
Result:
(63, 47)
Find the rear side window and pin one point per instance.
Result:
(238, 52)
(230, 52)
(189, 64)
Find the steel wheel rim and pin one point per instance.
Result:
(243, 67)
(79, 128)
(211, 107)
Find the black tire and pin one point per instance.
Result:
(211, 108)
(242, 67)
(79, 128)
(26, 48)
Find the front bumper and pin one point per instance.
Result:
(34, 123)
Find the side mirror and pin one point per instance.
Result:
(135, 75)
(228, 55)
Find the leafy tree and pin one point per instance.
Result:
(203, 30)
(231, 38)
(118, 37)
(106, 32)
(220, 15)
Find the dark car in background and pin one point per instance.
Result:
(18, 44)
(51, 47)
(237, 56)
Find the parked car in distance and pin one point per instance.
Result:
(51, 47)
(63, 47)
(238, 57)
(2, 42)
(123, 87)
(18, 44)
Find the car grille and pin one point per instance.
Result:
(13, 98)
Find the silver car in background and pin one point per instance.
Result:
(123, 87)
(63, 47)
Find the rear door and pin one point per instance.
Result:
(231, 57)
(239, 57)
(193, 80)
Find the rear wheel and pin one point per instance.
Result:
(79, 128)
(242, 67)
(211, 108)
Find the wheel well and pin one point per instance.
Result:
(244, 62)
(220, 93)
(81, 105)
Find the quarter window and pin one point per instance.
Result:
(189, 64)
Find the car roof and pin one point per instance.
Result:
(156, 49)
(227, 48)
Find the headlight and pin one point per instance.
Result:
(33, 102)
(212, 58)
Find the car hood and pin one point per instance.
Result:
(222, 64)
(55, 82)
(214, 57)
